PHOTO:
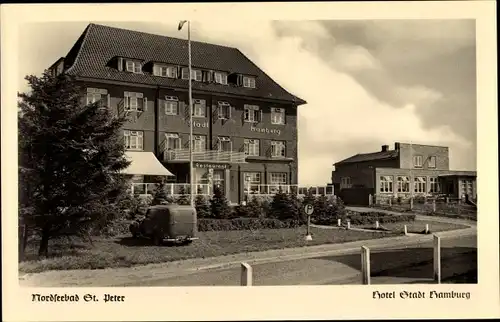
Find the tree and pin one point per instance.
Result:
(183, 197)
(202, 206)
(285, 206)
(70, 155)
(160, 196)
(219, 205)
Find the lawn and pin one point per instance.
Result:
(417, 226)
(126, 251)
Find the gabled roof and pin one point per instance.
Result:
(382, 155)
(99, 44)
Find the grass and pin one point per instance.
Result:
(126, 251)
(417, 226)
(452, 210)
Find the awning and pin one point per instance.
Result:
(144, 163)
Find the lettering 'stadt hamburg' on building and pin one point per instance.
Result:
(244, 123)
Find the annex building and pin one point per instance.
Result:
(244, 123)
(408, 169)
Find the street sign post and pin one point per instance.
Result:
(308, 209)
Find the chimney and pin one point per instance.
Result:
(385, 148)
(396, 146)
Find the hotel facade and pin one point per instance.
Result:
(244, 123)
(408, 169)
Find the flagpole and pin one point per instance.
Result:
(191, 170)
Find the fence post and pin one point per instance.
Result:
(426, 228)
(437, 259)
(377, 225)
(411, 203)
(339, 222)
(370, 200)
(434, 205)
(406, 230)
(390, 201)
(246, 274)
(348, 224)
(447, 200)
(365, 265)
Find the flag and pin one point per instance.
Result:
(181, 24)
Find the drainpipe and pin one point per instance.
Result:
(157, 121)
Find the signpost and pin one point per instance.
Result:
(308, 209)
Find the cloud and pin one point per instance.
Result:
(358, 99)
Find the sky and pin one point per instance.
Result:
(366, 82)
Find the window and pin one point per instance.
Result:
(386, 184)
(96, 95)
(432, 162)
(133, 66)
(252, 147)
(278, 149)
(417, 161)
(199, 108)
(278, 178)
(252, 113)
(403, 184)
(224, 110)
(171, 105)
(277, 115)
(434, 185)
(248, 82)
(165, 71)
(185, 73)
(420, 184)
(199, 143)
(224, 143)
(172, 141)
(133, 139)
(134, 101)
(345, 182)
(220, 78)
(252, 177)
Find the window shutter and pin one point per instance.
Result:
(210, 76)
(108, 101)
(260, 116)
(230, 108)
(156, 70)
(145, 104)
(179, 72)
(126, 102)
(239, 80)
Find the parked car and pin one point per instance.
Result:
(175, 223)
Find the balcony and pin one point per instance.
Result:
(182, 155)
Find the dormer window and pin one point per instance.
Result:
(196, 74)
(248, 81)
(165, 71)
(220, 78)
(133, 66)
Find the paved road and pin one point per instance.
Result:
(390, 266)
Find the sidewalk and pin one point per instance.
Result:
(123, 276)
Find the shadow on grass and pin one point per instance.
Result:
(416, 263)
(143, 241)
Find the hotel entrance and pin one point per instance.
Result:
(211, 176)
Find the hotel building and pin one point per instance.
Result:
(244, 123)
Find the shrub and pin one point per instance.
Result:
(245, 224)
(160, 195)
(219, 205)
(202, 207)
(286, 206)
(253, 209)
(183, 198)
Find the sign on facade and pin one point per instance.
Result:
(265, 130)
(203, 165)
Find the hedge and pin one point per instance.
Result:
(367, 218)
(205, 224)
